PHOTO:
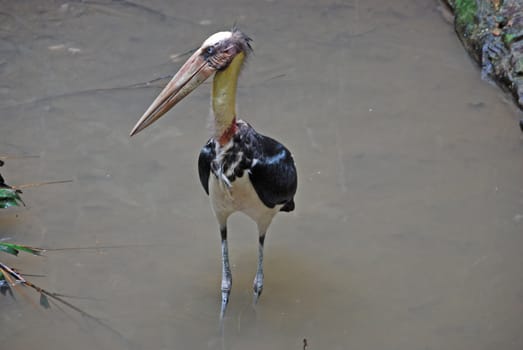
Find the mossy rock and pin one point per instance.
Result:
(492, 32)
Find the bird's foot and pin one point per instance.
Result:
(257, 287)
(226, 291)
(225, 302)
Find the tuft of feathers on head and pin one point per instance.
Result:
(243, 39)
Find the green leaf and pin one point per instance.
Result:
(7, 203)
(28, 249)
(9, 197)
(508, 38)
(465, 11)
(6, 248)
(12, 248)
(7, 192)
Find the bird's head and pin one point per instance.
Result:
(219, 52)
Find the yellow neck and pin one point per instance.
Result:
(224, 95)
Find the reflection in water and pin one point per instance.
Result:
(407, 226)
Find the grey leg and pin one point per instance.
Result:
(258, 279)
(226, 271)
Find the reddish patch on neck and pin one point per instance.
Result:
(227, 135)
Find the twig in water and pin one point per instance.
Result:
(38, 184)
(104, 247)
(139, 7)
(18, 157)
(92, 91)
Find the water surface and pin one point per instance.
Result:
(407, 232)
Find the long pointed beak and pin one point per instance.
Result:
(194, 72)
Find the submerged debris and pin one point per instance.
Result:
(11, 279)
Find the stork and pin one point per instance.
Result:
(240, 169)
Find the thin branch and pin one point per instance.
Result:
(9, 273)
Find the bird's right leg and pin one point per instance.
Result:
(226, 270)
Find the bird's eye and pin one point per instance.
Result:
(209, 50)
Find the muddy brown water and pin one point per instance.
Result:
(408, 230)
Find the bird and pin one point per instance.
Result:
(240, 169)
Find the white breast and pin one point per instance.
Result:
(240, 196)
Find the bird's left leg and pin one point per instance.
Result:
(263, 224)
(258, 279)
(226, 270)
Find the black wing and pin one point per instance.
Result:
(273, 174)
(269, 164)
(207, 154)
